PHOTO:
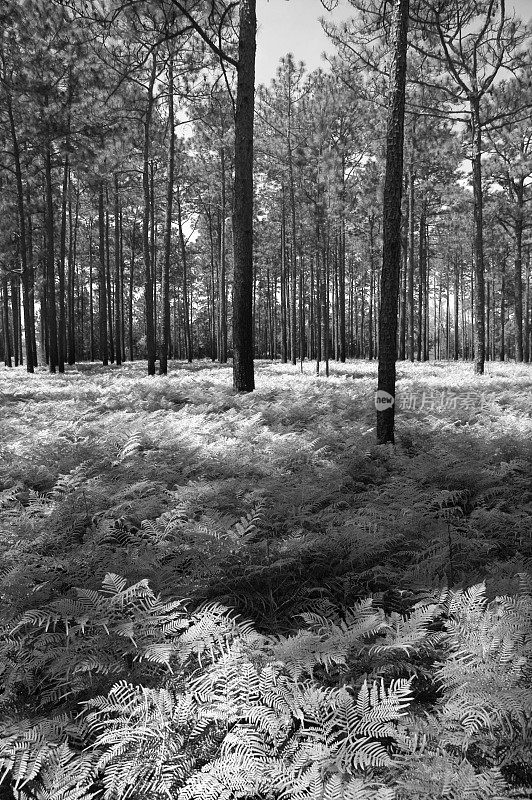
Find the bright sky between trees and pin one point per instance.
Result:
(292, 26)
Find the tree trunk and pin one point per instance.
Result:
(371, 286)
(102, 284)
(284, 281)
(165, 301)
(50, 266)
(391, 251)
(131, 289)
(518, 272)
(61, 332)
(478, 248)
(108, 281)
(184, 263)
(72, 252)
(411, 261)
(146, 216)
(456, 289)
(488, 319)
(31, 277)
(421, 261)
(118, 270)
(294, 249)
(5, 320)
(502, 350)
(15, 316)
(243, 375)
(527, 353)
(27, 284)
(91, 299)
(222, 288)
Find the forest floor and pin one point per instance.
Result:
(266, 500)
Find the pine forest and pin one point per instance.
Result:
(265, 401)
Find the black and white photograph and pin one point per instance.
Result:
(265, 400)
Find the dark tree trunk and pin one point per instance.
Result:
(243, 375)
(284, 304)
(456, 289)
(15, 316)
(411, 262)
(222, 288)
(165, 301)
(371, 286)
(72, 252)
(488, 319)
(61, 331)
(184, 263)
(31, 278)
(478, 248)
(118, 270)
(91, 298)
(102, 291)
(502, 350)
(518, 272)
(27, 279)
(149, 281)
(391, 252)
(527, 350)
(5, 321)
(108, 280)
(421, 282)
(131, 289)
(50, 266)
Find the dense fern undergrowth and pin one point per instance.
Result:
(211, 595)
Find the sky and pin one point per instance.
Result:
(292, 26)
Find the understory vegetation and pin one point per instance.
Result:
(214, 595)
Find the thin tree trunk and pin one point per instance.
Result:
(488, 319)
(184, 263)
(31, 280)
(479, 328)
(325, 331)
(411, 261)
(421, 280)
(527, 326)
(293, 264)
(118, 270)
(371, 286)
(5, 318)
(148, 266)
(447, 316)
(108, 281)
(284, 281)
(27, 285)
(518, 270)
(131, 290)
(456, 290)
(91, 299)
(71, 286)
(50, 262)
(502, 351)
(102, 283)
(61, 330)
(15, 316)
(165, 301)
(222, 290)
